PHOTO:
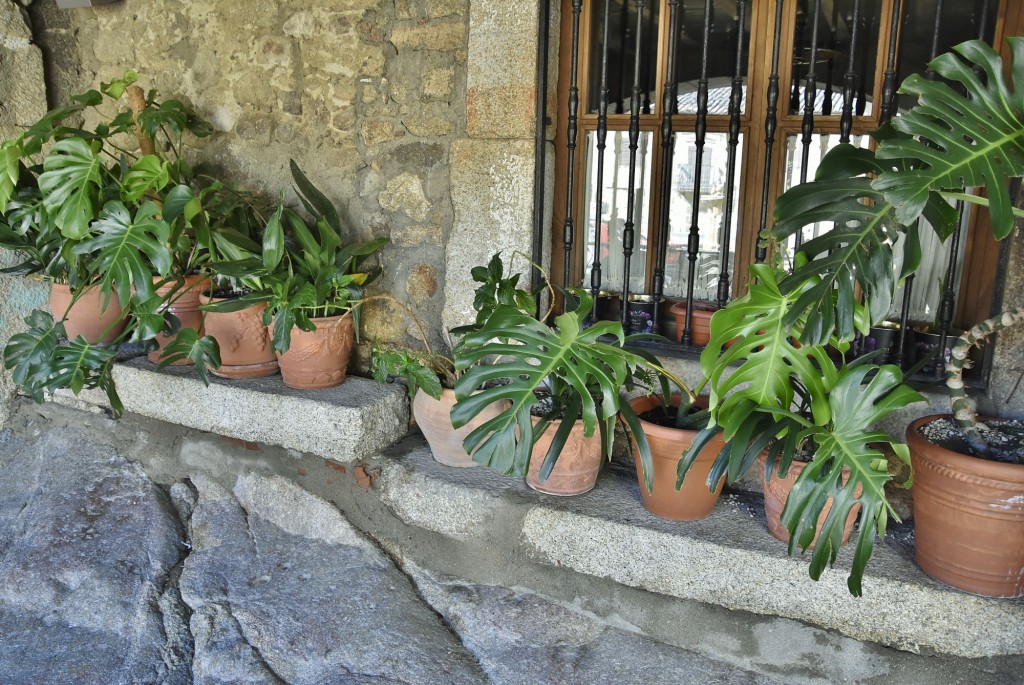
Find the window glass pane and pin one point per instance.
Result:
(621, 53)
(721, 56)
(960, 21)
(614, 199)
(821, 143)
(710, 216)
(831, 60)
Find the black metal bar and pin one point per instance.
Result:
(568, 227)
(846, 118)
(889, 78)
(602, 137)
(771, 123)
(801, 24)
(735, 111)
(700, 134)
(634, 138)
(620, 101)
(541, 143)
(810, 91)
(866, 74)
(668, 108)
(826, 103)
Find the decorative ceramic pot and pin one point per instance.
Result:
(776, 492)
(968, 518)
(319, 359)
(693, 500)
(246, 347)
(91, 316)
(577, 466)
(184, 304)
(434, 417)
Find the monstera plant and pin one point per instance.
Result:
(789, 395)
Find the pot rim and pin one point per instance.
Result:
(646, 402)
(922, 448)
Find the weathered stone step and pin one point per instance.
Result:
(350, 421)
(727, 559)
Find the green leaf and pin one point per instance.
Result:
(29, 355)
(10, 159)
(69, 185)
(315, 202)
(129, 251)
(273, 241)
(147, 174)
(975, 139)
(187, 344)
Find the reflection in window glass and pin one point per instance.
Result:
(614, 199)
(710, 217)
(721, 57)
(831, 59)
(621, 54)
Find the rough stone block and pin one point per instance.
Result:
(348, 422)
(442, 36)
(492, 193)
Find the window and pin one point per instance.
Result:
(695, 210)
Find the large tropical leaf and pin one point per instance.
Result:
(975, 139)
(863, 396)
(771, 361)
(70, 180)
(28, 355)
(532, 358)
(147, 174)
(187, 344)
(10, 171)
(129, 251)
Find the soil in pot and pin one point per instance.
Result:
(319, 359)
(577, 467)
(693, 500)
(246, 347)
(95, 318)
(968, 513)
(434, 418)
(185, 306)
(776, 492)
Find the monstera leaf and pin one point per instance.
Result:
(582, 375)
(69, 183)
(771, 360)
(129, 251)
(202, 351)
(28, 354)
(961, 141)
(861, 397)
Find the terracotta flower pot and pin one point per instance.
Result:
(693, 500)
(246, 347)
(185, 306)
(968, 518)
(434, 417)
(700, 320)
(776, 492)
(577, 467)
(93, 318)
(319, 359)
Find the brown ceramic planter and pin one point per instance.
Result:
(577, 466)
(693, 500)
(434, 417)
(88, 317)
(246, 348)
(776, 492)
(319, 359)
(700, 320)
(185, 306)
(968, 518)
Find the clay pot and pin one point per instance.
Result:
(246, 347)
(184, 304)
(434, 417)
(776, 492)
(700, 321)
(968, 518)
(693, 500)
(577, 466)
(88, 317)
(318, 359)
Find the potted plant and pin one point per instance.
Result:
(430, 377)
(106, 217)
(568, 375)
(311, 283)
(928, 156)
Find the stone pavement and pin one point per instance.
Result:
(109, 577)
